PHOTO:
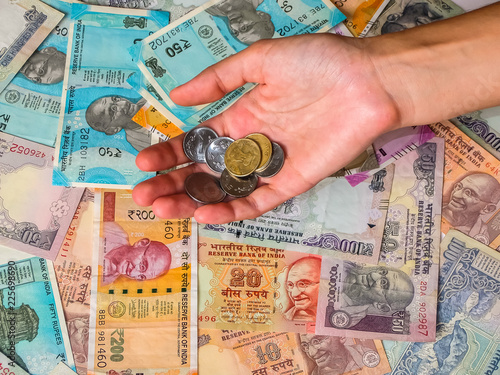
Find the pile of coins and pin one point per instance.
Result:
(240, 162)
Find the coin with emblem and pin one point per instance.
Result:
(266, 149)
(238, 187)
(196, 142)
(276, 163)
(204, 188)
(242, 157)
(214, 154)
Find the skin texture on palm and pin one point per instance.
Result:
(324, 99)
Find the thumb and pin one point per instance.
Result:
(223, 77)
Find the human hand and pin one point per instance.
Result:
(319, 97)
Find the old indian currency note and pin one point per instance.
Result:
(34, 214)
(254, 288)
(406, 14)
(215, 31)
(97, 140)
(467, 339)
(273, 353)
(31, 102)
(471, 192)
(144, 301)
(395, 299)
(333, 218)
(73, 267)
(24, 24)
(36, 336)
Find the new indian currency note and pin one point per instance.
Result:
(73, 267)
(406, 14)
(483, 127)
(151, 119)
(392, 146)
(272, 353)
(471, 192)
(36, 336)
(34, 214)
(24, 25)
(215, 31)
(468, 310)
(144, 298)
(31, 102)
(396, 299)
(97, 140)
(254, 288)
(360, 14)
(333, 218)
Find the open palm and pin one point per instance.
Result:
(319, 97)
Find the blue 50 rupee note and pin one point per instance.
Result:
(97, 140)
(31, 102)
(214, 31)
(31, 314)
(467, 339)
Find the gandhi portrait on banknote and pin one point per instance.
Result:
(374, 290)
(302, 286)
(332, 355)
(111, 114)
(144, 260)
(45, 66)
(245, 22)
(469, 203)
(413, 14)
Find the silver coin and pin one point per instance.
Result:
(277, 161)
(204, 188)
(238, 186)
(196, 142)
(214, 154)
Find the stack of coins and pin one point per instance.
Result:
(240, 163)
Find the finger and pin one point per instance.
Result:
(146, 192)
(225, 76)
(162, 155)
(262, 200)
(177, 206)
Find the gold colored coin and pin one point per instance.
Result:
(266, 149)
(242, 157)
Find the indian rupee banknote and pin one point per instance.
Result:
(36, 337)
(471, 191)
(483, 127)
(254, 288)
(144, 298)
(468, 309)
(24, 24)
(34, 214)
(151, 119)
(73, 267)
(31, 102)
(406, 14)
(215, 31)
(395, 299)
(360, 14)
(333, 218)
(273, 353)
(97, 140)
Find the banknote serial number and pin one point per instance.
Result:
(116, 349)
(422, 319)
(291, 26)
(19, 149)
(165, 38)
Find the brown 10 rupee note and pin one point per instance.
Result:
(471, 191)
(74, 274)
(143, 315)
(273, 353)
